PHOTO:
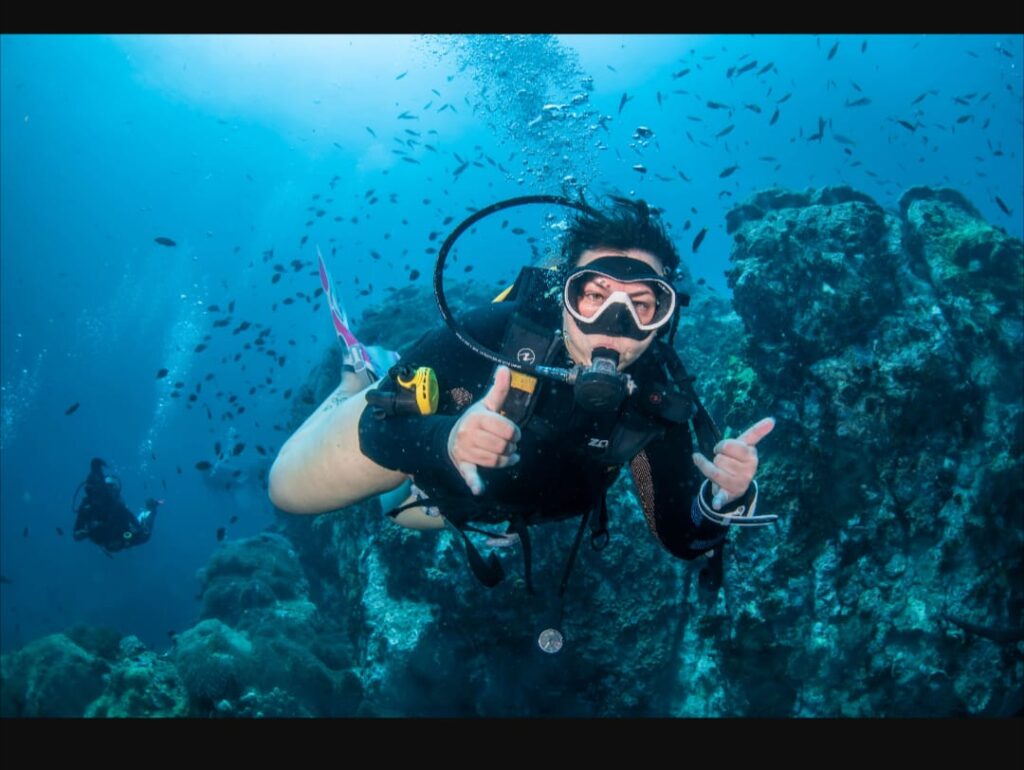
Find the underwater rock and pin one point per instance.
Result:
(253, 573)
(889, 345)
(215, 662)
(141, 684)
(50, 677)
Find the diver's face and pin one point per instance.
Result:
(580, 345)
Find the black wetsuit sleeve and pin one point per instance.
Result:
(667, 483)
(418, 444)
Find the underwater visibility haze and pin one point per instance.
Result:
(848, 209)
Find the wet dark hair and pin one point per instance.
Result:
(620, 224)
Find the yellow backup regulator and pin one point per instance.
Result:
(405, 391)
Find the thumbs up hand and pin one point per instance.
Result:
(484, 438)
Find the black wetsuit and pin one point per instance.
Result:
(103, 517)
(556, 467)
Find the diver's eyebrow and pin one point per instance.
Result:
(641, 292)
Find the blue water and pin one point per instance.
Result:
(220, 143)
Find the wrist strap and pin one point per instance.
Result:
(741, 516)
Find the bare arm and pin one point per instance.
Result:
(320, 468)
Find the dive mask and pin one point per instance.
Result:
(646, 306)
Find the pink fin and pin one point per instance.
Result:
(340, 328)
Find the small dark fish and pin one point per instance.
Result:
(202, 465)
(239, 448)
(718, 106)
(172, 634)
(701, 281)
(165, 241)
(622, 102)
(864, 46)
(725, 131)
(766, 68)
(212, 309)
(233, 520)
(775, 117)
(414, 275)
(216, 448)
(681, 73)
(371, 132)
(964, 118)
(220, 533)
(402, 75)
(999, 202)
(161, 374)
(747, 67)
(832, 52)
(60, 531)
(302, 241)
(858, 102)
(261, 450)
(71, 409)
(727, 172)
(199, 348)
(699, 239)
(909, 126)
(24, 532)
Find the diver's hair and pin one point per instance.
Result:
(621, 224)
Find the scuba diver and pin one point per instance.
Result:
(102, 516)
(586, 381)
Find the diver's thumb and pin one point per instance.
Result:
(496, 396)
(472, 477)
